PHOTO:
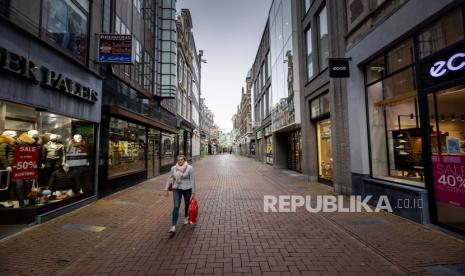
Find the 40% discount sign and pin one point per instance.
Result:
(25, 162)
(449, 179)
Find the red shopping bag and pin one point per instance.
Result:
(193, 211)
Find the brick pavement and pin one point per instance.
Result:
(233, 236)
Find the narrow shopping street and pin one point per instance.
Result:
(126, 233)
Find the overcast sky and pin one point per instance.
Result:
(229, 32)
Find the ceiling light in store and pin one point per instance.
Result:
(377, 68)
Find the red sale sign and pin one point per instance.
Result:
(449, 179)
(25, 162)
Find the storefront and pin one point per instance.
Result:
(153, 152)
(49, 124)
(294, 152)
(416, 120)
(260, 151)
(184, 138)
(268, 145)
(127, 147)
(321, 119)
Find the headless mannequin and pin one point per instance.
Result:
(64, 179)
(54, 152)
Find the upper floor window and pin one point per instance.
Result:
(308, 35)
(66, 24)
(138, 4)
(307, 4)
(442, 33)
(323, 47)
(121, 27)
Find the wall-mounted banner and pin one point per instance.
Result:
(115, 48)
(339, 68)
(445, 66)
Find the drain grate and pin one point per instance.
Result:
(123, 202)
(85, 227)
(451, 270)
(363, 222)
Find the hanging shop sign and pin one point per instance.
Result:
(25, 162)
(339, 68)
(445, 66)
(116, 48)
(259, 135)
(449, 179)
(41, 75)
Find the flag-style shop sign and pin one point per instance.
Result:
(116, 48)
(339, 68)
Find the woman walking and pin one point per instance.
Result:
(183, 181)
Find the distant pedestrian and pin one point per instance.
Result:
(183, 182)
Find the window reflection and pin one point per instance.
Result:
(66, 26)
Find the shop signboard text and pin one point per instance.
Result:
(24, 67)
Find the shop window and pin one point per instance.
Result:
(126, 148)
(375, 70)
(66, 25)
(447, 123)
(167, 148)
(323, 40)
(59, 163)
(307, 4)
(440, 34)
(181, 138)
(325, 155)
(269, 149)
(320, 106)
(400, 56)
(395, 133)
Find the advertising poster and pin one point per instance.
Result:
(115, 48)
(25, 163)
(449, 179)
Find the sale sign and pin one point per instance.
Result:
(25, 162)
(449, 179)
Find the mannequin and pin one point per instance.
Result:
(53, 152)
(7, 151)
(77, 145)
(64, 178)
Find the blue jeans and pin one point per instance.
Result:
(177, 194)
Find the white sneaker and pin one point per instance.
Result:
(172, 229)
(186, 221)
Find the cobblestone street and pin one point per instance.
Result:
(126, 233)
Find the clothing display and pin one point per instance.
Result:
(76, 152)
(64, 180)
(7, 151)
(53, 154)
